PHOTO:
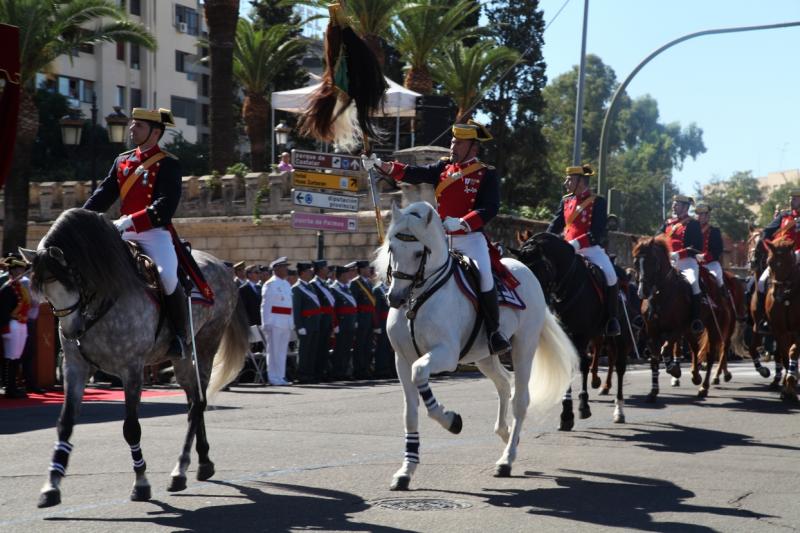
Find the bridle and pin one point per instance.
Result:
(418, 278)
(82, 304)
(558, 289)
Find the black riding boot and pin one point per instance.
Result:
(498, 344)
(761, 313)
(697, 324)
(10, 371)
(176, 307)
(612, 309)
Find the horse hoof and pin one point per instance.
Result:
(619, 419)
(715, 381)
(604, 391)
(727, 376)
(502, 471)
(675, 382)
(400, 483)
(696, 379)
(763, 371)
(456, 425)
(596, 381)
(567, 423)
(651, 398)
(140, 493)
(49, 498)
(702, 393)
(674, 370)
(776, 384)
(177, 484)
(205, 471)
(584, 412)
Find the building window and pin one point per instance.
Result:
(136, 7)
(75, 89)
(184, 108)
(181, 61)
(121, 51)
(188, 19)
(135, 59)
(204, 109)
(136, 98)
(121, 97)
(87, 91)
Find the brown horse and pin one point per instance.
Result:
(733, 301)
(783, 309)
(666, 297)
(757, 258)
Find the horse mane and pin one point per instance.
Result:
(783, 244)
(93, 248)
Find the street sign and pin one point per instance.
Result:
(320, 222)
(305, 159)
(318, 180)
(325, 201)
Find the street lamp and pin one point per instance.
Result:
(282, 132)
(71, 127)
(117, 124)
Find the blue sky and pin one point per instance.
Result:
(741, 89)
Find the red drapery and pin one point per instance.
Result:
(9, 100)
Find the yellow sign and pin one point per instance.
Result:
(318, 180)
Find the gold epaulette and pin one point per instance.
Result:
(567, 196)
(445, 158)
(168, 154)
(127, 152)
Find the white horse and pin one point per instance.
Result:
(431, 321)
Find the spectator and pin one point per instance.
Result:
(277, 320)
(239, 273)
(361, 288)
(327, 319)
(14, 306)
(291, 277)
(264, 274)
(346, 309)
(29, 353)
(250, 293)
(285, 165)
(306, 312)
(384, 355)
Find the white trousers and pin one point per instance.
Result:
(716, 270)
(474, 246)
(277, 345)
(14, 340)
(691, 271)
(765, 275)
(597, 256)
(157, 244)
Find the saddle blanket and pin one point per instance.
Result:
(505, 295)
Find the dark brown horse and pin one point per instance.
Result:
(783, 310)
(666, 296)
(757, 258)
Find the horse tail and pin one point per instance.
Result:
(554, 364)
(230, 356)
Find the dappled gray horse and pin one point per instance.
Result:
(108, 320)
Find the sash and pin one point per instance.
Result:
(673, 227)
(579, 209)
(347, 296)
(456, 176)
(785, 230)
(308, 293)
(325, 291)
(140, 170)
(370, 297)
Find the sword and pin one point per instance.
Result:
(373, 191)
(194, 349)
(630, 329)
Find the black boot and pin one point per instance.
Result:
(498, 344)
(176, 307)
(612, 308)
(10, 371)
(761, 313)
(697, 324)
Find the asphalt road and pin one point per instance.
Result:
(321, 458)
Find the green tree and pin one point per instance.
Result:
(730, 202)
(466, 72)
(221, 18)
(48, 29)
(776, 200)
(258, 56)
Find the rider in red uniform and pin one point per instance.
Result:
(468, 197)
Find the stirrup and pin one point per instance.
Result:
(697, 326)
(498, 344)
(612, 328)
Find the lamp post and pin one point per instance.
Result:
(282, 132)
(117, 123)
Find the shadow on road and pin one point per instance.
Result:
(260, 510)
(611, 500)
(669, 437)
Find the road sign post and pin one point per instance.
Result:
(324, 200)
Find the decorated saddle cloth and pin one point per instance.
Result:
(468, 280)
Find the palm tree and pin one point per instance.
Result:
(424, 29)
(467, 72)
(221, 17)
(259, 55)
(48, 29)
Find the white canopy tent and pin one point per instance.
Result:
(397, 102)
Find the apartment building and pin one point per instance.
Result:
(128, 76)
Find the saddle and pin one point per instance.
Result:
(469, 281)
(145, 267)
(597, 278)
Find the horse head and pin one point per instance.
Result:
(756, 252)
(780, 259)
(414, 248)
(548, 256)
(651, 257)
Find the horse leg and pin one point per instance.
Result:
(402, 478)
(567, 416)
(205, 467)
(595, 364)
(132, 431)
(76, 372)
(713, 346)
(185, 374)
(421, 371)
(755, 355)
(655, 361)
(621, 364)
(583, 398)
(612, 362)
(522, 353)
(790, 386)
(495, 371)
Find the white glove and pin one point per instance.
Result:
(674, 256)
(336, 330)
(700, 258)
(123, 223)
(452, 224)
(371, 162)
(377, 331)
(575, 244)
(301, 331)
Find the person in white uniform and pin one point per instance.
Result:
(277, 321)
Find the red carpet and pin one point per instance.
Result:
(89, 395)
